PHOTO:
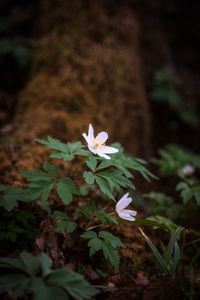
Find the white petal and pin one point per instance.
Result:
(103, 136)
(126, 216)
(92, 149)
(90, 135)
(100, 153)
(130, 212)
(85, 137)
(108, 149)
(123, 202)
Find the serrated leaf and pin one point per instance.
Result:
(104, 186)
(111, 254)
(9, 198)
(60, 215)
(69, 226)
(91, 163)
(36, 175)
(95, 245)
(110, 238)
(51, 169)
(89, 235)
(115, 176)
(66, 187)
(44, 206)
(54, 144)
(89, 177)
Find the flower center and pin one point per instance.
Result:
(98, 144)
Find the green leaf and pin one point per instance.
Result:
(9, 198)
(14, 263)
(91, 163)
(51, 169)
(104, 186)
(46, 191)
(174, 238)
(116, 177)
(69, 226)
(89, 177)
(37, 189)
(111, 254)
(44, 292)
(30, 262)
(177, 255)
(61, 155)
(95, 245)
(73, 283)
(54, 144)
(110, 238)
(157, 254)
(45, 264)
(89, 235)
(36, 175)
(158, 222)
(197, 195)
(65, 188)
(15, 282)
(60, 215)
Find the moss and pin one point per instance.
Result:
(86, 68)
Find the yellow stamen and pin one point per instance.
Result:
(98, 144)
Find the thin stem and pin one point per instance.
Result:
(195, 241)
(82, 162)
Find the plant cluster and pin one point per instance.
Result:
(90, 170)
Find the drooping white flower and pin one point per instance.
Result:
(188, 170)
(123, 213)
(97, 144)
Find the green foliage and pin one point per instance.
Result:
(63, 222)
(33, 274)
(174, 158)
(124, 163)
(67, 151)
(92, 210)
(106, 242)
(172, 253)
(164, 204)
(112, 175)
(164, 91)
(41, 184)
(189, 190)
(158, 222)
(66, 188)
(9, 197)
(17, 228)
(89, 177)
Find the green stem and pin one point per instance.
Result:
(82, 162)
(110, 214)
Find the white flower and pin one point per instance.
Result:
(188, 170)
(126, 214)
(97, 144)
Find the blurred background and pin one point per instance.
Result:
(128, 67)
